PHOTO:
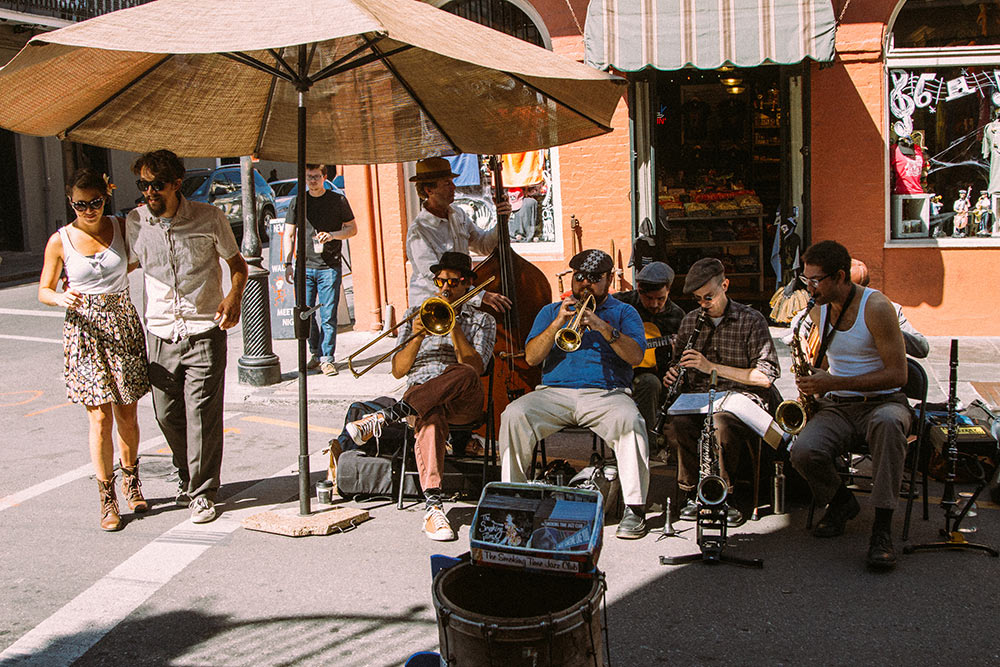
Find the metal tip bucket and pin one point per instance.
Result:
(489, 616)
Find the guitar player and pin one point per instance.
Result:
(661, 318)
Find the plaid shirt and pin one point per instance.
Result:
(437, 352)
(741, 340)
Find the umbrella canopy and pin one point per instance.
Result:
(387, 80)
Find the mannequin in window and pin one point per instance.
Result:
(524, 215)
(991, 151)
(644, 251)
(907, 167)
(792, 296)
(961, 208)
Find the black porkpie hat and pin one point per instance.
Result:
(456, 261)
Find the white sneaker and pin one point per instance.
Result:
(436, 525)
(362, 430)
(327, 368)
(202, 510)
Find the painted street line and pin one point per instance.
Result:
(87, 469)
(34, 313)
(71, 631)
(32, 339)
(290, 424)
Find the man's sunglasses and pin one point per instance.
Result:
(450, 282)
(592, 278)
(157, 185)
(93, 205)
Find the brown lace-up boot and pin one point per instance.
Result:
(110, 520)
(131, 488)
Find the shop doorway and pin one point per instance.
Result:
(11, 225)
(727, 164)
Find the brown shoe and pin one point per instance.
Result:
(331, 473)
(110, 519)
(131, 488)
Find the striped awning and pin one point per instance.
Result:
(631, 35)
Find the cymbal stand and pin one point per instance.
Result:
(953, 537)
(712, 536)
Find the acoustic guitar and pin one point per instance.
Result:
(654, 339)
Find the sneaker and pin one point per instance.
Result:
(313, 363)
(182, 499)
(327, 368)
(436, 525)
(362, 430)
(202, 510)
(632, 526)
(881, 554)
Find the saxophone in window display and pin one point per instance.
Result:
(792, 415)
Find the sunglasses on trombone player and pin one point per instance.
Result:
(450, 282)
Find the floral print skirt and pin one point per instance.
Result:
(105, 351)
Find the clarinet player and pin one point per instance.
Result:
(735, 341)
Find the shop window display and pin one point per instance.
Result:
(944, 152)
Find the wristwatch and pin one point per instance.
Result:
(615, 335)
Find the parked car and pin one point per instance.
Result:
(285, 190)
(222, 187)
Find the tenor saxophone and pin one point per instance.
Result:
(792, 415)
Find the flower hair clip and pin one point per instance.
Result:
(107, 181)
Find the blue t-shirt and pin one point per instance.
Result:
(595, 364)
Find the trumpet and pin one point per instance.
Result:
(435, 313)
(792, 415)
(569, 338)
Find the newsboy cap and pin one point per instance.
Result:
(655, 273)
(701, 272)
(592, 261)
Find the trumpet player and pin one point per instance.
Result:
(736, 342)
(442, 376)
(588, 386)
(860, 369)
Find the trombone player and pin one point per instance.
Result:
(442, 376)
(586, 381)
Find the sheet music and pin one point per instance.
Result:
(751, 414)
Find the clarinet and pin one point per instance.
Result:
(678, 383)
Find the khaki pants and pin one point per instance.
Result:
(610, 413)
(456, 397)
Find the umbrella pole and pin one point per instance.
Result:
(302, 315)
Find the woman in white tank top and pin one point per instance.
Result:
(104, 351)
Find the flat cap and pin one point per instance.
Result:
(592, 261)
(655, 273)
(701, 272)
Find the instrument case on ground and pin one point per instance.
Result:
(538, 527)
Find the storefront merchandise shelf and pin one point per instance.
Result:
(698, 244)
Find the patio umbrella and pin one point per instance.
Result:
(367, 81)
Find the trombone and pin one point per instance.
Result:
(437, 316)
(569, 338)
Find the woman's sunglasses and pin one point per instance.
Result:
(157, 185)
(93, 205)
(450, 282)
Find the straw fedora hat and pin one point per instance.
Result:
(431, 169)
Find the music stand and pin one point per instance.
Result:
(953, 538)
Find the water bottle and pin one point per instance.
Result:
(778, 495)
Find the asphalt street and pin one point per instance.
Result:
(164, 591)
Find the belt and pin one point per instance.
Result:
(857, 399)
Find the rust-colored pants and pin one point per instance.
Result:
(454, 397)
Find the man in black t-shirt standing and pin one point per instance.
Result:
(661, 318)
(329, 220)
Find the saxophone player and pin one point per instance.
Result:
(736, 343)
(861, 366)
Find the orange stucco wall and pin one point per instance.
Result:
(850, 188)
(593, 186)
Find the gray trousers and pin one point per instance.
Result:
(188, 379)
(610, 413)
(883, 424)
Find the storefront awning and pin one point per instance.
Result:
(631, 35)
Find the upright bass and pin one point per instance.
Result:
(528, 290)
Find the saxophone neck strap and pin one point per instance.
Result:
(829, 333)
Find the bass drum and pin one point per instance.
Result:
(513, 618)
